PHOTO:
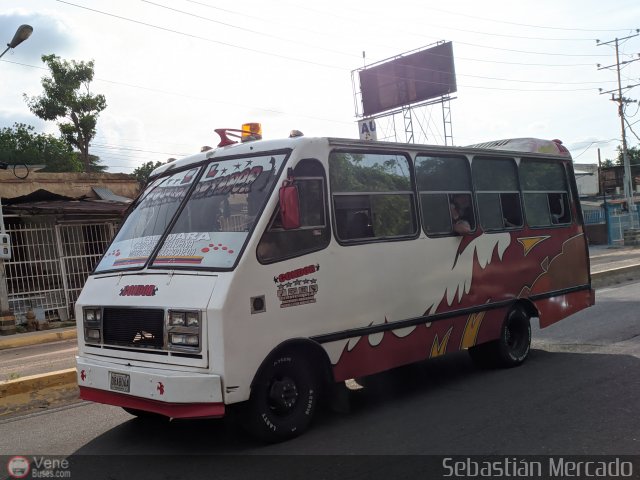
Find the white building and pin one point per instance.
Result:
(587, 178)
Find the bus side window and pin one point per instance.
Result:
(446, 200)
(372, 195)
(546, 194)
(278, 244)
(498, 193)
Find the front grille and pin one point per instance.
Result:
(133, 327)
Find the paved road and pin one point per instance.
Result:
(576, 395)
(48, 357)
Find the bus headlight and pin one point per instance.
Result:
(193, 319)
(92, 315)
(187, 340)
(177, 319)
(92, 334)
(184, 330)
(92, 318)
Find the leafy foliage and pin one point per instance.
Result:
(67, 96)
(143, 172)
(352, 172)
(20, 144)
(634, 156)
(378, 177)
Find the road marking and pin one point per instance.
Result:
(48, 354)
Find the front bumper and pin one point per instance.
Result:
(175, 394)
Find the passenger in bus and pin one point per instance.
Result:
(460, 210)
(556, 204)
(360, 226)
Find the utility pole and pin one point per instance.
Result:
(621, 101)
(22, 33)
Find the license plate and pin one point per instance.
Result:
(119, 381)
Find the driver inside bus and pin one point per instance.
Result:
(460, 210)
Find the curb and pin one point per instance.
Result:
(38, 391)
(15, 341)
(615, 275)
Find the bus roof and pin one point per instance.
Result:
(531, 145)
(515, 146)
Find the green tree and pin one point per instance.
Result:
(143, 172)
(608, 163)
(67, 96)
(20, 144)
(634, 155)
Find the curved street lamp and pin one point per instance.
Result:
(23, 32)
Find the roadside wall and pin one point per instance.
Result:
(73, 185)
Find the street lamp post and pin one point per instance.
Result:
(23, 32)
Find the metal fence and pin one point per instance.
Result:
(593, 216)
(50, 264)
(619, 222)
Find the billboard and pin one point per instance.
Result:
(410, 79)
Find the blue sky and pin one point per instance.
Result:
(173, 71)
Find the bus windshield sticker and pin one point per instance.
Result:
(293, 290)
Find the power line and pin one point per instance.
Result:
(106, 145)
(596, 142)
(546, 27)
(230, 25)
(449, 27)
(323, 33)
(294, 58)
(198, 37)
(632, 131)
(280, 112)
(332, 14)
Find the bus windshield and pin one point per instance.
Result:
(212, 227)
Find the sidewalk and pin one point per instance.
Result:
(609, 265)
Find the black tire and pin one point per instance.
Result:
(511, 348)
(284, 398)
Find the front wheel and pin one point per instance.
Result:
(284, 397)
(511, 348)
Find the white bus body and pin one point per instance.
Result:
(191, 311)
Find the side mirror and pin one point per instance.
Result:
(289, 207)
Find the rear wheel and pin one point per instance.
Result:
(284, 398)
(511, 348)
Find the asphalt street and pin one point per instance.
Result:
(575, 395)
